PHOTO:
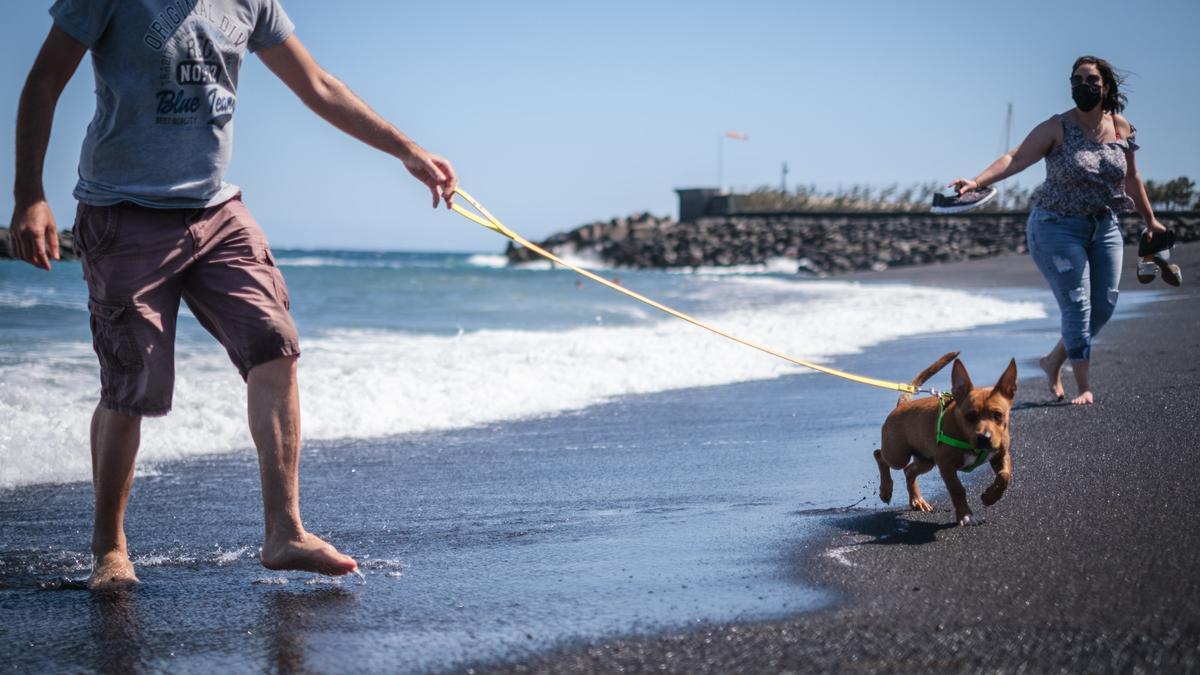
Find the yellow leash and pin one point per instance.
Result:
(489, 221)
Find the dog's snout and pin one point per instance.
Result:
(983, 440)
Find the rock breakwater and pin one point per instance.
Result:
(818, 243)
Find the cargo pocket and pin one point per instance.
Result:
(112, 336)
(281, 291)
(94, 231)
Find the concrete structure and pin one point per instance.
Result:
(696, 203)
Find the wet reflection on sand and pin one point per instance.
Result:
(116, 632)
(287, 619)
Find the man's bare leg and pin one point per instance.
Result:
(273, 403)
(114, 440)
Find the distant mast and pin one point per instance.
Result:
(1008, 128)
(735, 135)
(1006, 148)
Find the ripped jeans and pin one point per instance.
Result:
(1081, 258)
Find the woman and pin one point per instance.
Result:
(1073, 232)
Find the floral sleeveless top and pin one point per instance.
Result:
(1084, 177)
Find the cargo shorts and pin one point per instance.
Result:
(138, 262)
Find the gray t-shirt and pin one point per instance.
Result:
(166, 89)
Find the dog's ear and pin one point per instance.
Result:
(960, 382)
(1007, 385)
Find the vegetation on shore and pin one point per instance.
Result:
(1172, 195)
(1177, 194)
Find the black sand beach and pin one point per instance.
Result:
(1088, 563)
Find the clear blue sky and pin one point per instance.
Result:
(559, 113)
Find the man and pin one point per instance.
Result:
(157, 223)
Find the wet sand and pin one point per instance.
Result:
(493, 544)
(1087, 564)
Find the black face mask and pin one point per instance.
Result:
(1086, 96)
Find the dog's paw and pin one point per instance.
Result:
(991, 496)
(919, 504)
(970, 520)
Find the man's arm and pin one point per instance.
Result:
(33, 227)
(335, 103)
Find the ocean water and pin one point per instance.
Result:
(397, 343)
(517, 461)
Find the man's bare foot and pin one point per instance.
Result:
(112, 572)
(1084, 398)
(306, 553)
(1054, 375)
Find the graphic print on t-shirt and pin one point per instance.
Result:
(199, 47)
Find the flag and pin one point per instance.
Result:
(737, 135)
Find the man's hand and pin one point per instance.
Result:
(33, 232)
(435, 172)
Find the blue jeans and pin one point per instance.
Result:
(1081, 258)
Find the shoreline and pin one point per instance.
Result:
(68, 297)
(1086, 564)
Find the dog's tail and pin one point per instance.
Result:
(928, 373)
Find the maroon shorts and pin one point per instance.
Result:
(138, 263)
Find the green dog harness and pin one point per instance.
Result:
(980, 455)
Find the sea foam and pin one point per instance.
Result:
(371, 383)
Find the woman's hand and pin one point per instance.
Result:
(1154, 228)
(962, 185)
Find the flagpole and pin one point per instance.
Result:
(735, 135)
(721, 163)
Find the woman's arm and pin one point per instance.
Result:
(1036, 145)
(1134, 187)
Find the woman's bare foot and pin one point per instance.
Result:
(305, 553)
(112, 572)
(1081, 369)
(1053, 372)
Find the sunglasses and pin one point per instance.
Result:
(1093, 80)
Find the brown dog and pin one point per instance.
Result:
(979, 417)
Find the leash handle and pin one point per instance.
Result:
(486, 219)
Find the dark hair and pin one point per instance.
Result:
(1114, 101)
